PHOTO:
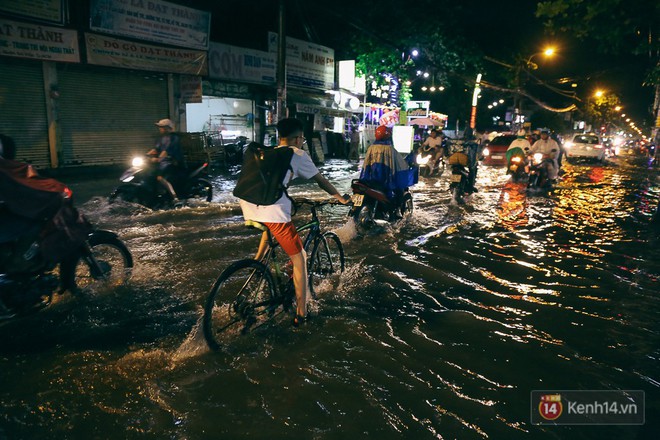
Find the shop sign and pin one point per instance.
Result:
(307, 65)
(45, 10)
(229, 90)
(190, 89)
(241, 64)
(39, 42)
(152, 20)
(113, 52)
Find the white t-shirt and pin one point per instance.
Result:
(280, 212)
(432, 143)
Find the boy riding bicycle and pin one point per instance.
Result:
(277, 217)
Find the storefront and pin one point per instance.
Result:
(23, 114)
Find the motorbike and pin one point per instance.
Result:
(516, 167)
(458, 182)
(141, 186)
(234, 151)
(64, 253)
(371, 203)
(429, 165)
(538, 173)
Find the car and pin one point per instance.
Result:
(585, 146)
(494, 153)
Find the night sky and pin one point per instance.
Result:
(500, 29)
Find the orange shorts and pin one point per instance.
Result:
(287, 236)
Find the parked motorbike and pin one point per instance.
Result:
(430, 163)
(371, 203)
(63, 253)
(140, 185)
(538, 172)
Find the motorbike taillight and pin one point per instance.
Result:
(67, 193)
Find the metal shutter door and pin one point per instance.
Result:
(23, 109)
(107, 115)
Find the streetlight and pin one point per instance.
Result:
(548, 52)
(598, 93)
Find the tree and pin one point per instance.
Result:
(617, 26)
(600, 110)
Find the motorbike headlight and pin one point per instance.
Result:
(137, 162)
(538, 157)
(568, 144)
(422, 160)
(486, 152)
(515, 159)
(128, 179)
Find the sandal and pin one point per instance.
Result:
(300, 320)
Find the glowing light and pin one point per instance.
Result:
(415, 52)
(424, 88)
(598, 93)
(426, 75)
(550, 51)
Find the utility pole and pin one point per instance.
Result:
(280, 106)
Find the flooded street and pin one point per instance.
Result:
(439, 328)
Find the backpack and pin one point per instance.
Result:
(262, 173)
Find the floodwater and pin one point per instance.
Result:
(440, 327)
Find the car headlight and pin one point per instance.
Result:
(422, 160)
(486, 151)
(568, 144)
(538, 157)
(137, 162)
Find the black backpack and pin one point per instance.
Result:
(262, 173)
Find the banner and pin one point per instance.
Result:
(39, 42)
(113, 52)
(46, 10)
(152, 20)
(241, 64)
(307, 64)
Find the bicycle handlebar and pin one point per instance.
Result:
(318, 203)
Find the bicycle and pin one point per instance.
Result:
(248, 293)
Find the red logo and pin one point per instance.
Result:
(550, 406)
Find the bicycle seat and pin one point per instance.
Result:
(256, 225)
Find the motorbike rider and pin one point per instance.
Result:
(277, 217)
(472, 150)
(385, 168)
(520, 146)
(433, 144)
(545, 146)
(169, 156)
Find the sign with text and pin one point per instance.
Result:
(307, 64)
(190, 89)
(114, 52)
(153, 20)
(46, 10)
(587, 407)
(241, 64)
(38, 42)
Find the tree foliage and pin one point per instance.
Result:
(617, 26)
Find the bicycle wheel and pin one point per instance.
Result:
(106, 263)
(327, 259)
(241, 297)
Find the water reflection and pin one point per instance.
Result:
(440, 327)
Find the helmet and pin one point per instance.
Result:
(383, 133)
(521, 133)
